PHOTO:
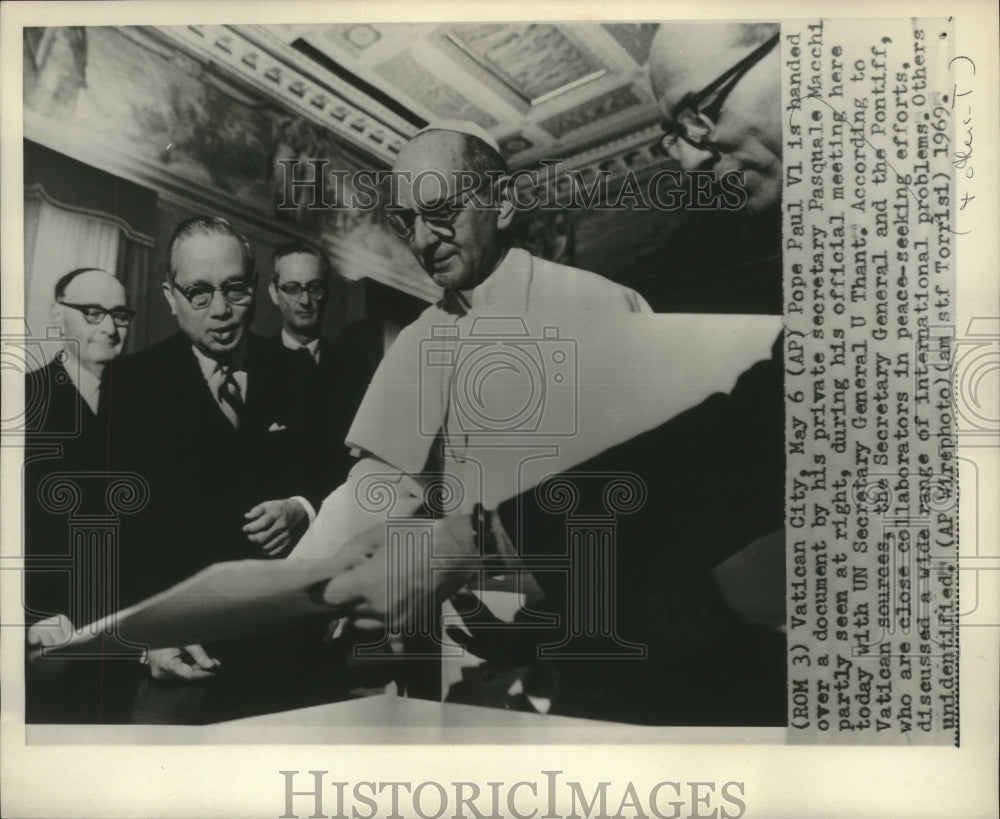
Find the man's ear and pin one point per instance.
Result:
(272, 291)
(505, 213)
(57, 312)
(170, 296)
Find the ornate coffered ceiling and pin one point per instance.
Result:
(577, 92)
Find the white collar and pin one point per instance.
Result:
(209, 366)
(294, 344)
(507, 287)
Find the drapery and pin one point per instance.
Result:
(59, 238)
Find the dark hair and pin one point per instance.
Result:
(290, 249)
(64, 281)
(208, 226)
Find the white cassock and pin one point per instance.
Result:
(415, 399)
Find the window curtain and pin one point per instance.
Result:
(60, 237)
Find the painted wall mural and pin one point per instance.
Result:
(139, 94)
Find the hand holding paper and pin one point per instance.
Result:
(47, 633)
(167, 663)
(364, 588)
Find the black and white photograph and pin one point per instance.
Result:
(498, 412)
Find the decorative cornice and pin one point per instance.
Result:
(265, 37)
(259, 60)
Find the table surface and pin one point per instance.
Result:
(388, 719)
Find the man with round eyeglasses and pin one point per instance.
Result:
(716, 471)
(451, 208)
(217, 420)
(65, 401)
(66, 429)
(300, 288)
(89, 308)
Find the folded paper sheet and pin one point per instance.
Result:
(225, 601)
(521, 397)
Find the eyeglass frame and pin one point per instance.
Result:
(675, 130)
(250, 284)
(319, 292)
(453, 207)
(104, 311)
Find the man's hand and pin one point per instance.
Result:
(51, 631)
(365, 585)
(275, 525)
(188, 663)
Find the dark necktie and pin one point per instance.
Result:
(230, 394)
(102, 399)
(305, 355)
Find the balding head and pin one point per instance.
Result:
(76, 294)
(439, 169)
(686, 58)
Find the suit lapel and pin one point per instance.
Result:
(194, 391)
(261, 370)
(66, 409)
(331, 365)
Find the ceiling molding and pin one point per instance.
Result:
(370, 127)
(504, 78)
(265, 37)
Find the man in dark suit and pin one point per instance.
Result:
(337, 380)
(300, 289)
(217, 420)
(67, 441)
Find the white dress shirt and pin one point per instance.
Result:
(294, 344)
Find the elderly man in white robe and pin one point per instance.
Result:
(459, 233)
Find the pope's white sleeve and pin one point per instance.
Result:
(373, 490)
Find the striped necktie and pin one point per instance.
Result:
(229, 394)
